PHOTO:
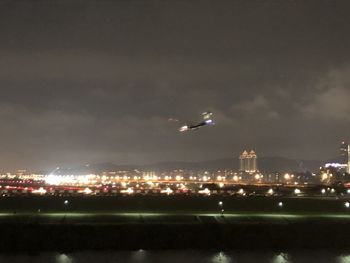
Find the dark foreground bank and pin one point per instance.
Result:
(183, 256)
(34, 237)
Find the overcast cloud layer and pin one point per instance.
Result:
(95, 81)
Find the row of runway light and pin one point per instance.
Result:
(181, 188)
(126, 187)
(279, 204)
(91, 179)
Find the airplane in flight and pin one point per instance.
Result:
(207, 120)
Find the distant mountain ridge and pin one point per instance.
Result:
(265, 164)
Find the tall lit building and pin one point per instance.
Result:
(345, 149)
(248, 162)
(348, 168)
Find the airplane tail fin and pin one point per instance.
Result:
(207, 115)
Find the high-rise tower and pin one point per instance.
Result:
(242, 161)
(253, 161)
(345, 149)
(248, 162)
(348, 168)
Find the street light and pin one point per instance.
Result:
(221, 204)
(280, 204)
(347, 204)
(66, 204)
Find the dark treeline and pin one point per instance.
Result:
(69, 237)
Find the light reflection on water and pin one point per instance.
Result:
(344, 259)
(182, 256)
(281, 258)
(221, 257)
(63, 258)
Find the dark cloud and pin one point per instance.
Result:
(90, 81)
(331, 99)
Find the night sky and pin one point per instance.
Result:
(96, 81)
